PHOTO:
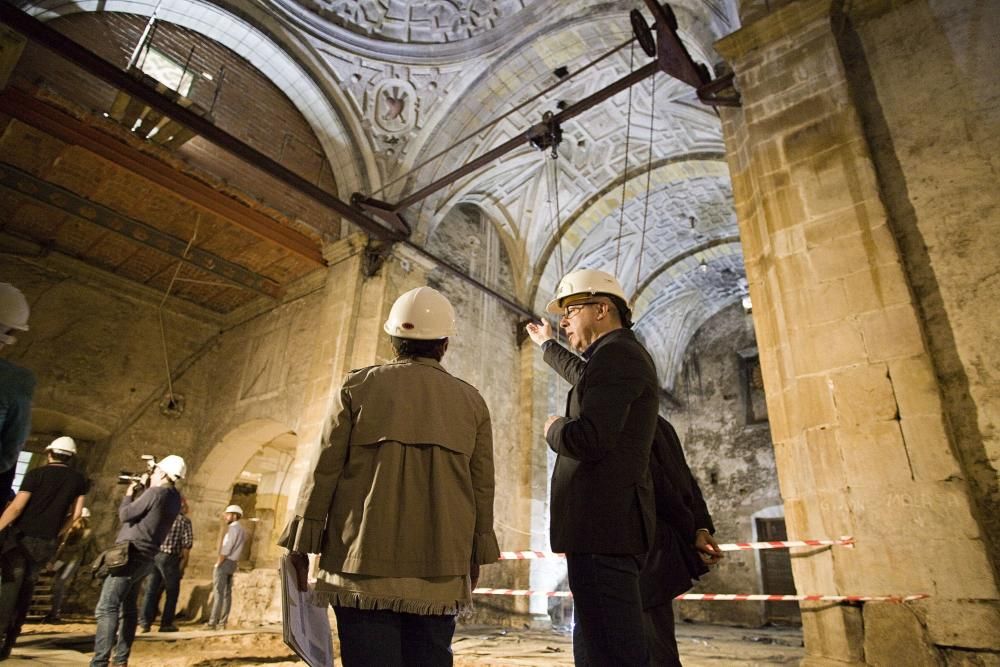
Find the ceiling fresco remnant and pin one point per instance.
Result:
(416, 21)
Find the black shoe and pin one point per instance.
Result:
(169, 628)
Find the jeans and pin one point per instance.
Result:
(64, 577)
(166, 575)
(661, 638)
(20, 566)
(394, 639)
(607, 610)
(222, 591)
(118, 602)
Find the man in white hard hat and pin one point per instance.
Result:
(17, 385)
(602, 510)
(400, 503)
(49, 502)
(146, 514)
(230, 553)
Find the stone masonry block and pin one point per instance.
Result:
(863, 394)
(833, 180)
(915, 386)
(826, 302)
(826, 462)
(892, 333)
(782, 207)
(840, 257)
(793, 271)
(834, 633)
(929, 449)
(833, 129)
(877, 287)
(788, 241)
(815, 402)
(895, 635)
(827, 346)
(845, 222)
(794, 473)
(969, 624)
(915, 514)
(874, 454)
(960, 568)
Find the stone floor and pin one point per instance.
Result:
(701, 645)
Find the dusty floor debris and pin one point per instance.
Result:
(701, 645)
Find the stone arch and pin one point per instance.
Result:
(210, 486)
(299, 77)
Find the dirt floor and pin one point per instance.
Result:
(701, 646)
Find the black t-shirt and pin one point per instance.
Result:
(53, 488)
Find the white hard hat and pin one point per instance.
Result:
(421, 314)
(235, 509)
(64, 444)
(85, 513)
(13, 308)
(585, 281)
(174, 466)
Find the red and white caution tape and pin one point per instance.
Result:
(513, 591)
(801, 598)
(787, 544)
(738, 597)
(733, 546)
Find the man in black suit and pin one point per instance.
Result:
(602, 512)
(683, 547)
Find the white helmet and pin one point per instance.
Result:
(174, 466)
(585, 281)
(63, 444)
(421, 314)
(235, 509)
(13, 312)
(85, 513)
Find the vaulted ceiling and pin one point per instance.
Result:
(639, 187)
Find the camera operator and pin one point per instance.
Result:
(146, 520)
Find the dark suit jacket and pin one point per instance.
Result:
(680, 511)
(602, 495)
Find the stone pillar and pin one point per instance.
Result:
(861, 442)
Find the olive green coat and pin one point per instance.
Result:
(403, 486)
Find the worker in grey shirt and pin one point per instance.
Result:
(230, 554)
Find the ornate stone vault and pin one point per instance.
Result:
(389, 84)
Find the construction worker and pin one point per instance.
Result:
(49, 502)
(400, 503)
(146, 515)
(602, 510)
(17, 385)
(169, 565)
(230, 553)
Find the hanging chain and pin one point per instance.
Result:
(649, 174)
(628, 127)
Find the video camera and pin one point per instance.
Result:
(126, 477)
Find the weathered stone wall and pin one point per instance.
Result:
(733, 460)
(856, 258)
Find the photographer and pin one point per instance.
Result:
(50, 500)
(146, 520)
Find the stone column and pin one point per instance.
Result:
(861, 443)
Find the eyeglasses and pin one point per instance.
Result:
(572, 310)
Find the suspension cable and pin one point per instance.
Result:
(493, 122)
(628, 127)
(649, 174)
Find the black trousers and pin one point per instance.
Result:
(394, 639)
(661, 638)
(607, 611)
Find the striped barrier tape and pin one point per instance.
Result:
(734, 546)
(739, 597)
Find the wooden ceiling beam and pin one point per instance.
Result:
(81, 208)
(66, 128)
